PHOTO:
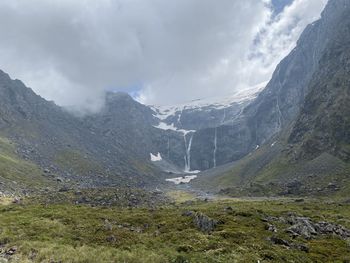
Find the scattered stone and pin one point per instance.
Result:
(4, 241)
(78, 192)
(228, 209)
(271, 228)
(188, 213)
(33, 254)
(108, 225)
(184, 248)
(269, 219)
(280, 241)
(63, 189)
(302, 226)
(16, 200)
(301, 247)
(111, 239)
(11, 251)
(59, 179)
(288, 244)
(306, 228)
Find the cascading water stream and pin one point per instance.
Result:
(187, 156)
(215, 147)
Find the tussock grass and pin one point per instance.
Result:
(68, 233)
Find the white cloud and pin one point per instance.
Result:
(174, 51)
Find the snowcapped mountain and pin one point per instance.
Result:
(204, 113)
(185, 125)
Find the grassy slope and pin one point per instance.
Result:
(16, 173)
(267, 171)
(67, 233)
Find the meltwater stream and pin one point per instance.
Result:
(215, 147)
(187, 156)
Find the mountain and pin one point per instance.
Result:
(195, 122)
(111, 147)
(70, 146)
(301, 119)
(278, 134)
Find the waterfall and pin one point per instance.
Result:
(280, 115)
(215, 147)
(224, 117)
(187, 156)
(168, 148)
(179, 117)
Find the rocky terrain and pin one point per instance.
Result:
(303, 134)
(187, 231)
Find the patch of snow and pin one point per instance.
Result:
(193, 172)
(184, 180)
(163, 112)
(166, 127)
(156, 158)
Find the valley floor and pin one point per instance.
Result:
(188, 230)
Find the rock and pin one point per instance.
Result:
(302, 226)
(333, 229)
(188, 213)
(11, 251)
(228, 209)
(184, 248)
(305, 227)
(111, 239)
(271, 228)
(301, 247)
(108, 225)
(33, 254)
(280, 241)
(59, 179)
(204, 223)
(16, 200)
(63, 189)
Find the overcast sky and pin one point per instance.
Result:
(161, 51)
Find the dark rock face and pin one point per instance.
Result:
(205, 124)
(202, 222)
(323, 124)
(300, 121)
(279, 103)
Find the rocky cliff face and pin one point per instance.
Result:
(278, 104)
(200, 127)
(324, 121)
(310, 154)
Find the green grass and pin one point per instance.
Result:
(68, 233)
